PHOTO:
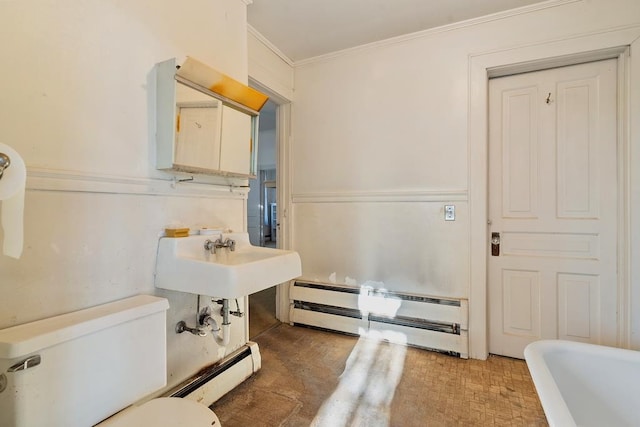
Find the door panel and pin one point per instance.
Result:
(553, 199)
(578, 307)
(521, 295)
(558, 245)
(577, 149)
(520, 154)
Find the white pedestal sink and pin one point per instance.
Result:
(183, 264)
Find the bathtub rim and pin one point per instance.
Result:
(553, 403)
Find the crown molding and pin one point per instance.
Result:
(262, 39)
(437, 30)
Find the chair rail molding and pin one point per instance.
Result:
(41, 179)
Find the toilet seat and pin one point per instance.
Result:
(165, 412)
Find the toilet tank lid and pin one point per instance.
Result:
(21, 340)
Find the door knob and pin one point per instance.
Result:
(495, 244)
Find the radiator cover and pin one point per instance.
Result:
(434, 323)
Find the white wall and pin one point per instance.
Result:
(77, 103)
(268, 67)
(381, 144)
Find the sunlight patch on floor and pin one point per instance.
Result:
(368, 383)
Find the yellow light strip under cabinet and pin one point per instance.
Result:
(217, 82)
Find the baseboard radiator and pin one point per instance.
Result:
(216, 380)
(439, 324)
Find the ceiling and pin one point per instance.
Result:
(304, 29)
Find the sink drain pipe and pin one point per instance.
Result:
(221, 336)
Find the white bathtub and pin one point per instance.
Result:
(585, 384)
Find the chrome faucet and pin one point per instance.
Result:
(211, 245)
(5, 162)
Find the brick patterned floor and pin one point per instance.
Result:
(319, 378)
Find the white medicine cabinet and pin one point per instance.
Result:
(206, 122)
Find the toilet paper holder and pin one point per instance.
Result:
(5, 162)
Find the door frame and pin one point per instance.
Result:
(283, 184)
(618, 44)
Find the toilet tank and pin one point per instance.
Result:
(79, 368)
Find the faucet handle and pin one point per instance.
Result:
(231, 244)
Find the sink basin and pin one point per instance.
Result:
(183, 264)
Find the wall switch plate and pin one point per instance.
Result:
(449, 213)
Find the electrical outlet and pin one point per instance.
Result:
(449, 213)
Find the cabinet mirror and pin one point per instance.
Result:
(200, 131)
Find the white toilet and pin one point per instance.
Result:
(164, 411)
(81, 368)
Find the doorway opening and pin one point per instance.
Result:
(262, 218)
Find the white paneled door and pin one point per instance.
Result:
(553, 207)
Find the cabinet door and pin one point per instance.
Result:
(235, 153)
(198, 137)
